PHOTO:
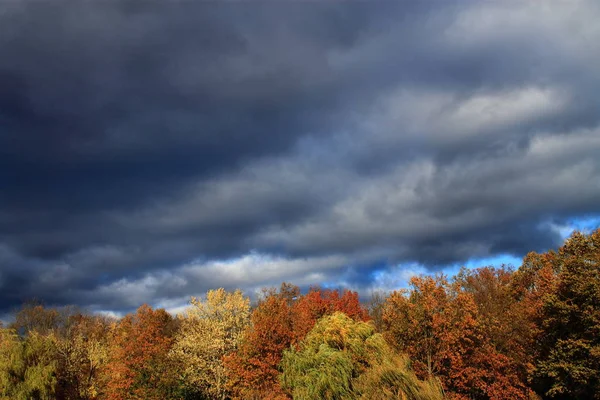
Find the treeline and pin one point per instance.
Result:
(489, 333)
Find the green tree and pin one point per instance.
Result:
(345, 359)
(27, 366)
(569, 356)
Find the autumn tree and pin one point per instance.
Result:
(253, 368)
(139, 366)
(82, 354)
(536, 279)
(33, 316)
(503, 318)
(208, 331)
(345, 359)
(569, 356)
(436, 323)
(421, 322)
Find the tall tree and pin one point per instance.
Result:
(27, 366)
(82, 353)
(208, 331)
(33, 316)
(436, 323)
(375, 308)
(503, 318)
(139, 367)
(253, 368)
(569, 356)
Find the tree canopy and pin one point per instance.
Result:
(489, 333)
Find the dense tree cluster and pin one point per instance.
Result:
(489, 333)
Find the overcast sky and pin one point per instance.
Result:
(151, 150)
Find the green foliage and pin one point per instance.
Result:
(27, 366)
(394, 379)
(342, 359)
(569, 360)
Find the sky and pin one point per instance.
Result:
(152, 150)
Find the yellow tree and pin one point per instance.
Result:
(83, 352)
(208, 331)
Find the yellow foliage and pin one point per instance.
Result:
(209, 330)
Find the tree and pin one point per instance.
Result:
(139, 367)
(536, 279)
(375, 308)
(210, 330)
(33, 316)
(82, 354)
(436, 324)
(426, 323)
(27, 366)
(344, 359)
(569, 356)
(503, 318)
(253, 367)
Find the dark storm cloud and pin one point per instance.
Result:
(146, 148)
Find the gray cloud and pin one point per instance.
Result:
(152, 151)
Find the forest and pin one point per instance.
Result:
(531, 332)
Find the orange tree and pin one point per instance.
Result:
(503, 317)
(138, 366)
(436, 324)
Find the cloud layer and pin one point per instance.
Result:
(150, 151)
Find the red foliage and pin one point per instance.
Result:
(438, 324)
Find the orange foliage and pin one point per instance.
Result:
(138, 364)
(438, 325)
(536, 279)
(503, 317)
(253, 368)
